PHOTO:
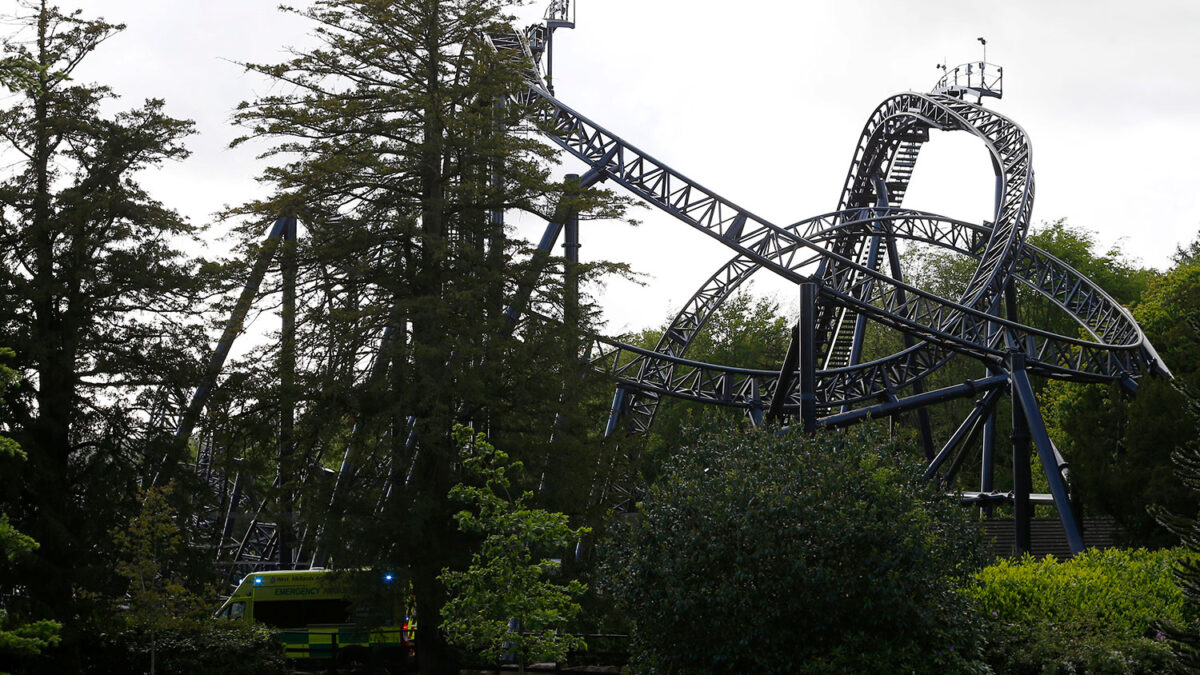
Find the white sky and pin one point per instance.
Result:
(763, 102)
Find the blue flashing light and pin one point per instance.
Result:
(258, 581)
(387, 577)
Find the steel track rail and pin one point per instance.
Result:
(951, 326)
(658, 374)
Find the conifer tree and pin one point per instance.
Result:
(397, 143)
(18, 639)
(95, 300)
(1185, 640)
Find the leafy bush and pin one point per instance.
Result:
(1097, 613)
(767, 553)
(187, 648)
(506, 580)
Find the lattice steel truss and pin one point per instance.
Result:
(847, 266)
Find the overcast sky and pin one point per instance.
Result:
(763, 102)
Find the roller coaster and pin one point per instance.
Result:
(849, 272)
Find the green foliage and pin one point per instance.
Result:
(12, 541)
(19, 72)
(27, 639)
(1018, 651)
(506, 580)
(745, 331)
(99, 304)
(386, 138)
(767, 553)
(18, 639)
(1185, 524)
(8, 447)
(1168, 312)
(21, 639)
(1120, 448)
(156, 600)
(192, 647)
(148, 546)
(1121, 277)
(1122, 592)
(1185, 256)
(1099, 612)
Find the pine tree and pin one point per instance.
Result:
(95, 298)
(1185, 640)
(18, 639)
(397, 144)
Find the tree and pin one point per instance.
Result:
(745, 332)
(156, 598)
(782, 553)
(1121, 448)
(22, 639)
(1184, 522)
(94, 299)
(504, 582)
(1083, 432)
(399, 146)
(1189, 255)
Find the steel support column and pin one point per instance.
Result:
(233, 328)
(564, 213)
(923, 427)
(987, 470)
(966, 431)
(1051, 464)
(1022, 477)
(987, 459)
(287, 396)
(808, 357)
(614, 416)
(571, 253)
(783, 383)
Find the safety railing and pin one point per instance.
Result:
(978, 77)
(560, 14)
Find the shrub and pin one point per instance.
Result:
(506, 579)
(187, 648)
(759, 552)
(1096, 613)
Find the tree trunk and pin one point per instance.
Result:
(52, 351)
(434, 655)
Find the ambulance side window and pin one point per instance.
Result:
(237, 610)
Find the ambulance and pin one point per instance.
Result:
(324, 616)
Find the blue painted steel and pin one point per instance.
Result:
(913, 402)
(233, 328)
(965, 431)
(614, 417)
(808, 358)
(1023, 391)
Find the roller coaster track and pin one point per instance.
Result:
(669, 374)
(841, 256)
(847, 261)
(957, 325)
